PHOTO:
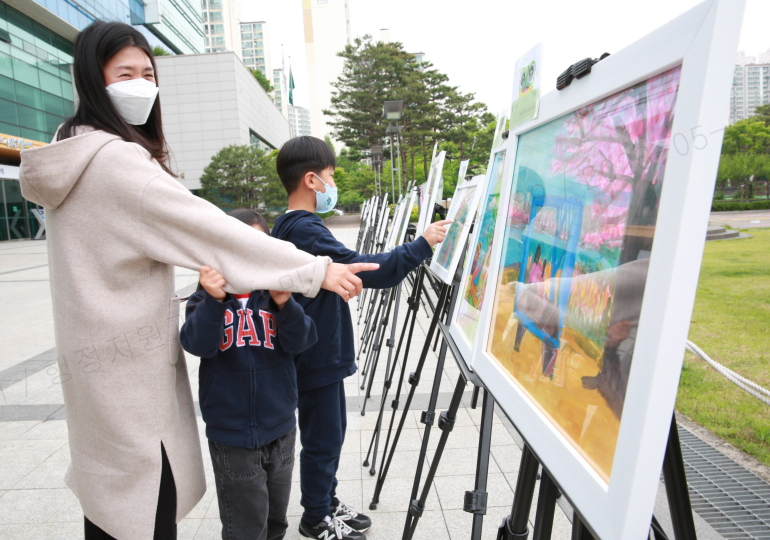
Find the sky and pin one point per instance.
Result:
(476, 43)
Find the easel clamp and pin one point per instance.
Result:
(475, 502)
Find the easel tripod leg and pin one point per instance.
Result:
(546, 507)
(515, 526)
(476, 500)
(579, 529)
(446, 423)
(675, 479)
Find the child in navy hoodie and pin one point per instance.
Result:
(248, 395)
(306, 168)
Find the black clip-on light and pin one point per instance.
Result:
(578, 70)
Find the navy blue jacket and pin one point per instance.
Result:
(332, 358)
(247, 380)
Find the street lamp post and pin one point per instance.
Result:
(376, 155)
(392, 112)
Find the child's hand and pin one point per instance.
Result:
(280, 298)
(436, 232)
(212, 282)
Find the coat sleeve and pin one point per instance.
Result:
(180, 229)
(394, 264)
(204, 324)
(295, 329)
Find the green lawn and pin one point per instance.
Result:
(731, 323)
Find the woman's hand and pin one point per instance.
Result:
(212, 282)
(280, 298)
(342, 279)
(436, 232)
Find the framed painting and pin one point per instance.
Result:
(462, 212)
(398, 214)
(403, 223)
(464, 324)
(382, 220)
(594, 267)
(500, 127)
(372, 205)
(428, 195)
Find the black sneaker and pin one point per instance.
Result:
(330, 528)
(348, 514)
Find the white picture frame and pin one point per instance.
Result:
(397, 215)
(462, 211)
(465, 319)
(701, 43)
(372, 204)
(382, 223)
(403, 223)
(433, 187)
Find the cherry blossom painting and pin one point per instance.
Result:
(579, 229)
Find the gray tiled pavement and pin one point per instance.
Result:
(34, 454)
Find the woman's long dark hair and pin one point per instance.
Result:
(94, 47)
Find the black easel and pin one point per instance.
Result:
(388, 299)
(415, 280)
(413, 302)
(475, 500)
(515, 526)
(414, 380)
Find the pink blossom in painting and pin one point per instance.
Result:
(618, 146)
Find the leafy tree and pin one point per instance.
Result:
(243, 176)
(160, 51)
(741, 170)
(375, 72)
(762, 114)
(354, 180)
(751, 135)
(330, 144)
(262, 80)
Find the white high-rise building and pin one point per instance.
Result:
(751, 85)
(221, 19)
(280, 92)
(255, 47)
(299, 119)
(327, 31)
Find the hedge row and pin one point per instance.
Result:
(722, 206)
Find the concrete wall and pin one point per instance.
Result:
(210, 101)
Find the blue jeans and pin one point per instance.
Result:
(322, 419)
(253, 488)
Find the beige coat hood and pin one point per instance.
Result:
(50, 172)
(116, 226)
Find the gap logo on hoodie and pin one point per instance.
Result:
(240, 329)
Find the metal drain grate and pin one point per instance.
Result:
(733, 500)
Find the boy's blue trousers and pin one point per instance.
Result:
(322, 422)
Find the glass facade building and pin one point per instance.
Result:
(35, 80)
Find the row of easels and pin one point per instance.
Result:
(381, 312)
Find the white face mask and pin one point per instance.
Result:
(133, 99)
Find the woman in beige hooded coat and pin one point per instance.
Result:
(117, 224)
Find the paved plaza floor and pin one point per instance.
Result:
(34, 454)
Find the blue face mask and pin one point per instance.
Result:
(324, 202)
